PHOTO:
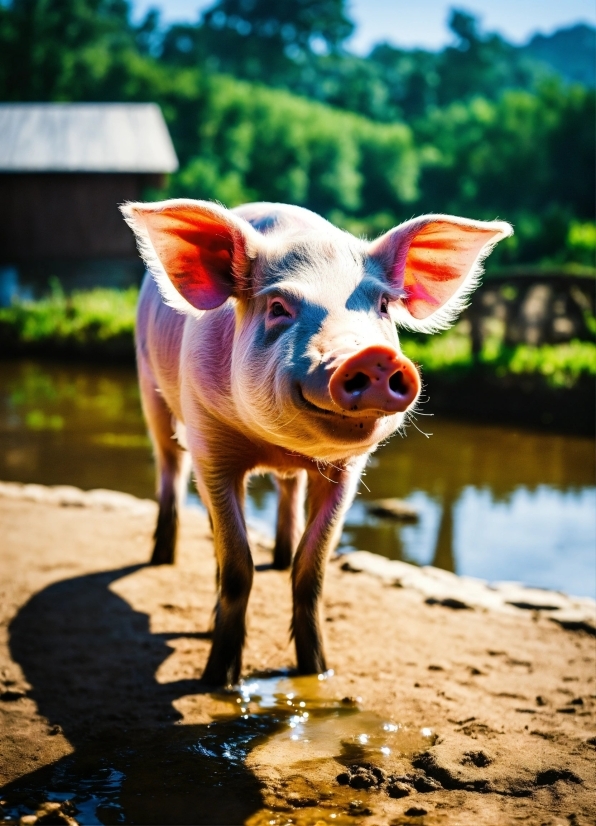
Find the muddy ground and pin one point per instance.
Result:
(434, 715)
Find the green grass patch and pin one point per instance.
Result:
(561, 365)
(92, 317)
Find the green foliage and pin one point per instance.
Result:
(561, 365)
(94, 317)
(260, 143)
(581, 242)
(477, 129)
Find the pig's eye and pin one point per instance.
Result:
(277, 310)
(384, 308)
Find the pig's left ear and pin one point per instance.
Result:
(435, 262)
(199, 253)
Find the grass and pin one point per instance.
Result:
(560, 365)
(101, 322)
(85, 321)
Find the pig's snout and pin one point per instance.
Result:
(377, 378)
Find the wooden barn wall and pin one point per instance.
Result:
(65, 216)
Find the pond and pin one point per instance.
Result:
(494, 502)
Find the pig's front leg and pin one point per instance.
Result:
(290, 518)
(330, 493)
(223, 494)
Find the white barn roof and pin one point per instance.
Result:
(85, 137)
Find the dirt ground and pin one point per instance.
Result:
(492, 712)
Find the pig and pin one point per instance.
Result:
(266, 343)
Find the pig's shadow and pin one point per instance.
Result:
(91, 661)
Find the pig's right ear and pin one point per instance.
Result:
(199, 253)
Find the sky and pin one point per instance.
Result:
(423, 22)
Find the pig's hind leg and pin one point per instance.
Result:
(290, 518)
(172, 468)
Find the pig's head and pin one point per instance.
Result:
(316, 365)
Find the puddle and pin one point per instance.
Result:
(315, 724)
(92, 800)
(295, 733)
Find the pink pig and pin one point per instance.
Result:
(266, 342)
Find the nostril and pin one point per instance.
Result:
(357, 383)
(398, 383)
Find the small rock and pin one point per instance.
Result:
(362, 780)
(476, 758)
(357, 807)
(398, 790)
(9, 697)
(415, 811)
(365, 776)
(343, 779)
(394, 509)
(426, 784)
(448, 602)
(301, 801)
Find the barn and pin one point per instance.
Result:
(64, 168)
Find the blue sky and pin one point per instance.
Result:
(423, 22)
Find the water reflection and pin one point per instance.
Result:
(495, 502)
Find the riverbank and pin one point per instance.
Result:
(100, 655)
(547, 386)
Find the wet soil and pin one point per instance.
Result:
(433, 715)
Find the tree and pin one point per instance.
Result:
(264, 39)
(46, 44)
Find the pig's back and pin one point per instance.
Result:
(158, 337)
(269, 218)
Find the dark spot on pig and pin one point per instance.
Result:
(361, 425)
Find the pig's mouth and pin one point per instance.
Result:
(306, 404)
(314, 408)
